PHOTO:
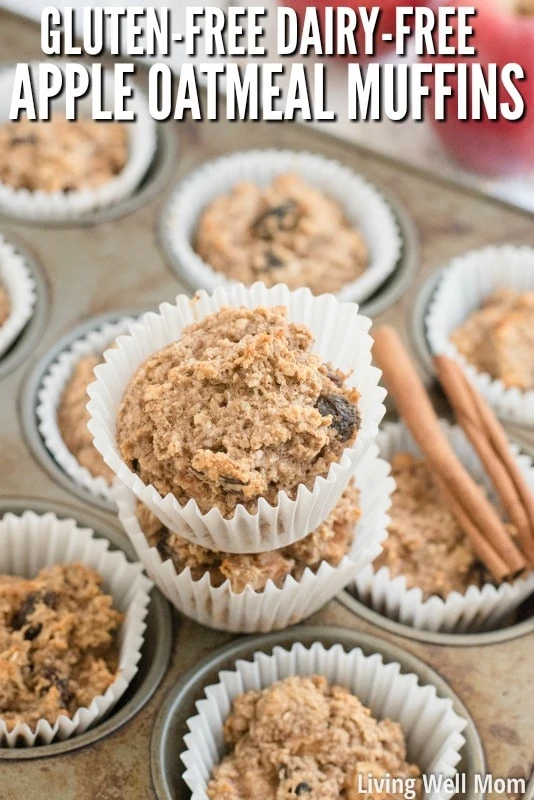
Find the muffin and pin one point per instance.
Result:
(302, 736)
(236, 410)
(499, 338)
(72, 419)
(5, 305)
(288, 232)
(58, 643)
(60, 155)
(329, 543)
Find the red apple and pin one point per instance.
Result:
(386, 22)
(503, 32)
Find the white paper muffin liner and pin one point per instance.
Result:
(477, 609)
(95, 342)
(465, 284)
(432, 728)
(41, 206)
(30, 542)
(274, 608)
(341, 338)
(362, 203)
(17, 281)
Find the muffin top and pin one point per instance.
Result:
(5, 305)
(302, 737)
(289, 232)
(72, 419)
(57, 643)
(61, 155)
(425, 542)
(329, 542)
(237, 409)
(499, 338)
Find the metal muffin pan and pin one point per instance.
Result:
(156, 648)
(388, 293)
(29, 402)
(28, 338)
(179, 706)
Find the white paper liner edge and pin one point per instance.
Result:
(432, 728)
(16, 278)
(466, 282)
(477, 609)
(362, 202)
(30, 542)
(274, 608)
(342, 338)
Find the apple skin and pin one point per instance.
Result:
(495, 147)
(386, 22)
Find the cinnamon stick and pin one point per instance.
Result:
(416, 409)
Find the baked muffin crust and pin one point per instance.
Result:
(237, 409)
(57, 643)
(302, 737)
(61, 155)
(329, 542)
(289, 232)
(5, 305)
(499, 338)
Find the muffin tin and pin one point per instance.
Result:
(114, 264)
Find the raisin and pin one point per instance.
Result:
(345, 416)
(61, 684)
(51, 599)
(135, 465)
(20, 617)
(272, 261)
(335, 378)
(33, 632)
(302, 788)
(284, 217)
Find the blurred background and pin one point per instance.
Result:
(494, 157)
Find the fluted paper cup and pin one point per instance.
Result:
(54, 382)
(341, 338)
(465, 284)
(30, 542)
(363, 205)
(16, 278)
(274, 608)
(433, 730)
(41, 206)
(478, 609)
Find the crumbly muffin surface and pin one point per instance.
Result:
(57, 643)
(301, 737)
(5, 305)
(289, 233)
(235, 410)
(61, 155)
(329, 542)
(499, 338)
(72, 419)
(425, 543)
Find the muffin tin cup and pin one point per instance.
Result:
(16, 279)
(474, 611)
(30, 542)
(274, 608)
(363, 204)
(463, 287)
(342, 338)
(49, 397)
(42, 206)
(432, 728)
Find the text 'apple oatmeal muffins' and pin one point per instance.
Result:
(428, 574)
(288, 232)
(71, 628)
(315, 716)
(233, 592)
(481, 316)
(281, 216)
(251, 433)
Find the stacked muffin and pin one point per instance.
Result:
(236, 432)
